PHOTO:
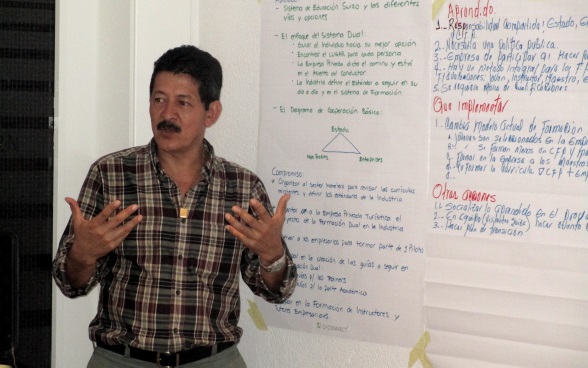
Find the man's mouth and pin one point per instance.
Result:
(168, 126)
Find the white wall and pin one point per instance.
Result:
(91, 118)
(105, 52)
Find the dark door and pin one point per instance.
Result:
(27, 62)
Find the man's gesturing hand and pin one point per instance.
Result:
(263, 235)
(100, 235)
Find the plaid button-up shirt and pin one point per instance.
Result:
(173, 283)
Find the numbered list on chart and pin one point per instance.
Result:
(509, 153)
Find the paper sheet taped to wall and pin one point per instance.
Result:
(508, 239)
(344, 130)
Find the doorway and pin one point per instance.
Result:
(27, 64)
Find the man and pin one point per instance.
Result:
(167, 227)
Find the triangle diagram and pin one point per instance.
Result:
(340, 144)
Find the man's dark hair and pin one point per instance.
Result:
(199, 64)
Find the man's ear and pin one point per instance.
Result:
(213, 113)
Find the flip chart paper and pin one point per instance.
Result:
(344, 130)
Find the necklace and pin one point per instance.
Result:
(183, 209)
(183, 213)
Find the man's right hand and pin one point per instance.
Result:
(96, 238)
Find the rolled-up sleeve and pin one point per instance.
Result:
(250, 268)
(252, 277)
(90, 202)
(59, 272)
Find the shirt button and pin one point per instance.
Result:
(177, 292)
(180, 257)
(175, 330)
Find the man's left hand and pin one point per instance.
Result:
(262, 235)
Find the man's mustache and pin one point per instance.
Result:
(168, 125)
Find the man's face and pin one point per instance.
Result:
(178, 117)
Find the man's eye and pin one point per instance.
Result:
(184, 103)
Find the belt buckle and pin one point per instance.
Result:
(158, 360)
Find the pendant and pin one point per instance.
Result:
(183, 213)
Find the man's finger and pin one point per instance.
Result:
(282, 205)
(73, 206)
(107, 212)
(123, 215)
(76, 213)
(239, 225)
(244, 216)
(123, 231)
(239, 235)
(259, 209)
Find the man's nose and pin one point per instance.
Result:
(169, 113)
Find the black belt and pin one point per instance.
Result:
(167, 359)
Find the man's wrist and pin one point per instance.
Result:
(72, 256)
(275, 266)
